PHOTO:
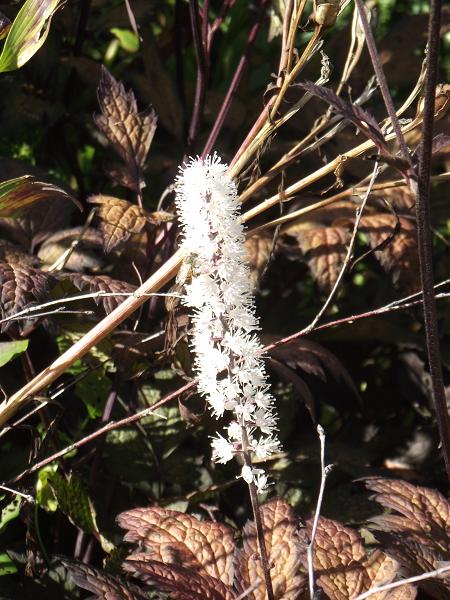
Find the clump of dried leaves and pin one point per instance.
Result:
(196, 559)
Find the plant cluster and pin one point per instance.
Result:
(174, 324)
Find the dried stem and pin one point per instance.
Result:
(97, 333)
(202, 69)
(243, 62)
(424, 235)
(327, 169)
(324, 472)
(384, 88)
(400, 304)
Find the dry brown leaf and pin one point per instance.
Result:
(129, 131)
(19, 194)
(339, 560)
(417, 558)
(398, 256)
(181, 582)
(102, 585)
(102, 283)
(426, 513)
(324, 248)
(284, 553)
(383, 569)
(118, 220)
(259, 248)
(175, 538)
(21, 283)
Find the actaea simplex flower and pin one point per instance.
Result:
(228, 354)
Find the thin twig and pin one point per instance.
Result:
(29, 311)
(325, 470)
(384, 88)
(26, 497)
(349, 254)
(424, 237)
(393, 306)
(250, 589)
(90, 339)
(396, 584)
(109, 427)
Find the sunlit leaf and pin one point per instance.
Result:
(7, 567)
(10, 512)
(27, 34)
(16, 195)
(129, 132)
(9, 350)
(21, 283)
(177, 538)
(129, 41)
(102, 585)
(283, 549)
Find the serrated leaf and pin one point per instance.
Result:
(27, 33)
(129, 132)
(426, 513)
(417, 558)
(74, 501)
(383, 569)
(324, 248)
(182, 583)
(103, 585)
(176, 538)
(102, 283)
(20, 284)
(118, 220)
(9, 350)
(284, 550)
(19, 194)
(395, 250)
(338, 560)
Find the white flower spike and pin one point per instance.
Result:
(228, 361)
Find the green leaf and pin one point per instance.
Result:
(27, 34)
(22, 192)
(7, 567)
(127, 39)
(93, 390)
(74, 501)
(10, 512)
(9, 350)
(44, 493)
